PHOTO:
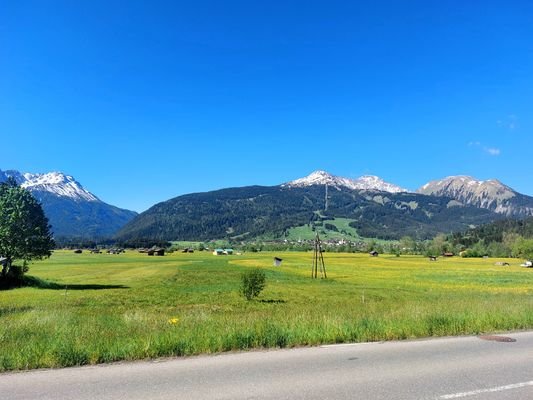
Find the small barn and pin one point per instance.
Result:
(218, 252)
(156, 252)
(374, 253)
(114, 251)
(228, 252)
(277, 261)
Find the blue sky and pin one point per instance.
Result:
(143, 101)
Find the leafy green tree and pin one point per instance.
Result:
(252, 283)
(24, 230)
(497, 249)
(510, 240)
(407, 245)
(524, 248)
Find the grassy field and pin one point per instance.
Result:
(345, 231)
(94, 308)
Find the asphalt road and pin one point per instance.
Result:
(440, 369)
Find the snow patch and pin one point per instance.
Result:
(53, 182)
(366, 182)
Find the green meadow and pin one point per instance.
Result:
(96, 308)
(344, 231)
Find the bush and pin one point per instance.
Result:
(252, 283)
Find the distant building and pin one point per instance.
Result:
(156, 252)
(222, 252)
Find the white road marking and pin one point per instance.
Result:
(491, 390)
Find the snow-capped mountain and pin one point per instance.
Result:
(71, 209)
(53, 182)
(490, 194)
(366, 182)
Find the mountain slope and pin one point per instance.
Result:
(496, 231)
(253, 211)
(491, 195)
(70, 208)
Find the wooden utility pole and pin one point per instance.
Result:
(318, 260)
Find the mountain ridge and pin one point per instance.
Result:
(71, 210)
(365, 182)
(377, 209)
(255, 211)
(489, 194)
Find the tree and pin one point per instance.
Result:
(24, 230)
(252, 283)
(524, 248)
(510, 240)
(407, 245)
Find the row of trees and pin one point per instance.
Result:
(511, 245)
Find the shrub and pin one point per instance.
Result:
(252, 283)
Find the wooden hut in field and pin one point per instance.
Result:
(156, 252)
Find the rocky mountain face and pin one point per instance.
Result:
(490, 194)
(72, 210)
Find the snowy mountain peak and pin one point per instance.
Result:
(52, 182)
(317, 178)
(366, 182)
(372, 182)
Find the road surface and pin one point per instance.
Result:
(438, 369)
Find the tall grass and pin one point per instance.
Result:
(94, 308)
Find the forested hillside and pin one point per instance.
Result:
(253, 211)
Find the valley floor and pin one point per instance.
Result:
(97, 308)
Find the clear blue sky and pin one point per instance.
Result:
(143, 101)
